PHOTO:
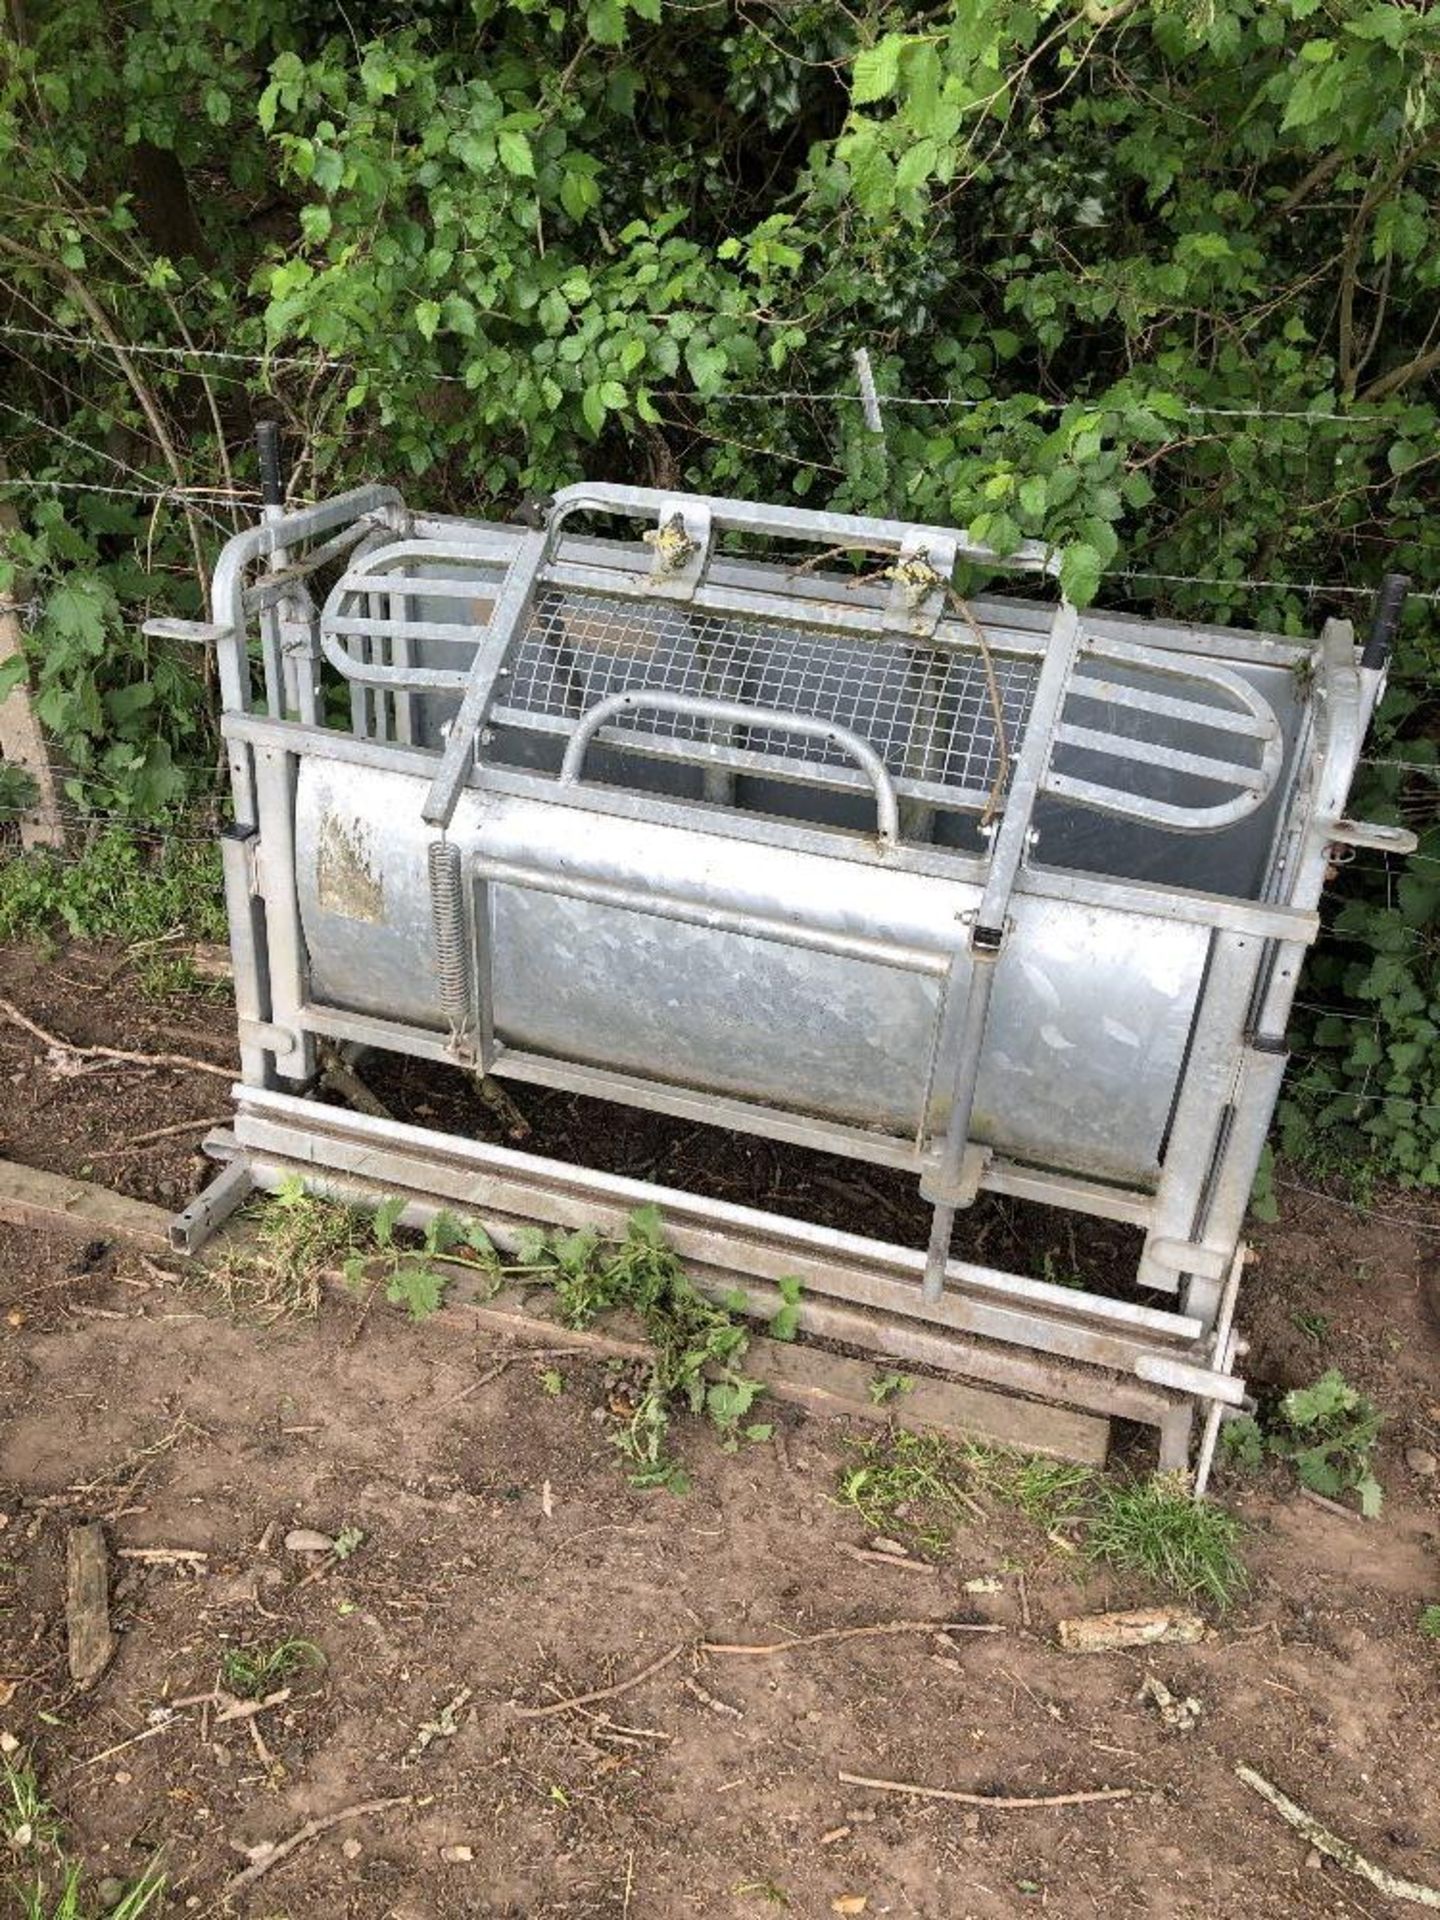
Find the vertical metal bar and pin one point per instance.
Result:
(1224, 1205)
(1209, 1078)
(247, 948)
(511, 606)
(987, 938)
(272, 495)
(285, 942)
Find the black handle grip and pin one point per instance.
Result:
(1383, 627)
(267, 444)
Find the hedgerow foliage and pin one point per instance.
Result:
(1173, 267)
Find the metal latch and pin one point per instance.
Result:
(680, 545)
(200, 633)
(919, 583)
(1370, 833)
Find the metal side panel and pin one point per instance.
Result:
(1092, 1005)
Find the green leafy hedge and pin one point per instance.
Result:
(1172, 266)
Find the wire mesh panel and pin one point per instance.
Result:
(927, 710)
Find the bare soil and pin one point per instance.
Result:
(712, 1789)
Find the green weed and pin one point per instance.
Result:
(50, 1886)
(916, 1480)
(116, 889)
(1429, 1622)
(410, 1275)
(1326, 1431)
(886, 1387)
(698, 1344)
(252, 1672)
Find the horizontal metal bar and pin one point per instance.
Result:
(708, 1109)
(1053, 1189)
(1159, 813)
(368, 1030)
(1141, 699)
(414, 585)
(1151, 754)
(362, 626)
(698, 913)
(977, 1300)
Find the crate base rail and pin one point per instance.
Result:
(1025, 1336)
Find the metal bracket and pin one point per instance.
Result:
(680, 545)
(1370, 833)
(264, 1033)
(964, 1188)
(200, 633)
(919, 580)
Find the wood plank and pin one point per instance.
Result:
(801, 1374)
(54, 1201)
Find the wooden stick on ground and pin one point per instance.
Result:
(1334, 1848)
(13, 1014)
(600, 1693)
(91, 1640)
(311, 1830)
(162, 1133)
(1004, 1801)
(857, 1633)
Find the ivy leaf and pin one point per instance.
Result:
(515, 154)
(1081, 570)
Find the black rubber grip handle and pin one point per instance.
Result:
(267, 444)
(1383, 627)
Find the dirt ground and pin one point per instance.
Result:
(505, 1563)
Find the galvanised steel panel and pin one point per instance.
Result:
(1091, 1013)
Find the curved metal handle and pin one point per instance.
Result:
(733, 713)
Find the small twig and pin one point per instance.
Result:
(13, 1014)
(1340, 1851)
(1024, 1601)
(708, 1699)
(873, 1557)
(856, 1633)
(1330, 1506)
(997, 706)
(163, 1556)
(1005, 1802)
(163, 1726)
(629, 1885)
(600, 1693)
(162, 1133)
(247, 1709)
(311, 1830)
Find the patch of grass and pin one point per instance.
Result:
(116, 889)
(252, 1672)
(49, 1886)
(918, 1483)
(297, 1236)
(36, 1901)
(28, 1823)
(923, 1486)
(1153, 1527)
(1430, 1622)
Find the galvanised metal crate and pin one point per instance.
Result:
(717, 823)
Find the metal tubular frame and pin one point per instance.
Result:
(1111, 1355)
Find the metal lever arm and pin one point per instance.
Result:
(733, 713)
